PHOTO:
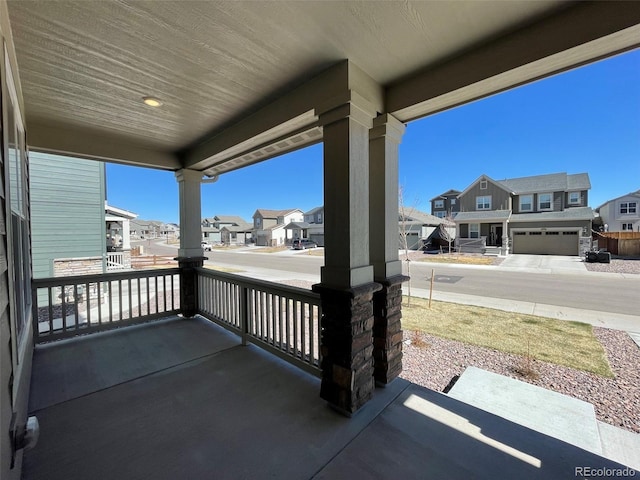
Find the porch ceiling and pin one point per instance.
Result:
(236, 78)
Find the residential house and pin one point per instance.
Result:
(67, 215)
(445, 204)
(416, 226)
(542, 214)
(621, 214)
(154, 229)
(269, 226)
(226, 229)
(312, 226)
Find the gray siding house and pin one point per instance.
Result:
(445, 204)
(542, 214)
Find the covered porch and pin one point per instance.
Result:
(183, 398)
(202, 89)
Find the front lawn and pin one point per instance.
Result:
(557, 341)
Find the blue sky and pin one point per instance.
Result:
(585, 120)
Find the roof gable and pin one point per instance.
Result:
(488, 179)
(451, 192)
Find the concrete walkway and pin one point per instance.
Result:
(543, 264)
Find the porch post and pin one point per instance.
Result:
(190, 252)
(384, 139)
(505, 238)
(347, 285)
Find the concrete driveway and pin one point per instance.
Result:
(544, 263)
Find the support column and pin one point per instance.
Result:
(384, 139)
(190, 252)
(347, 286)
(505, 238)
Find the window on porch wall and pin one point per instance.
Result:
(474, 230)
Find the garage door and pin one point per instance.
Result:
(546, 243)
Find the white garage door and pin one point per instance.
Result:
(546, 243)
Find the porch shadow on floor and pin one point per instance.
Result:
(182, 399)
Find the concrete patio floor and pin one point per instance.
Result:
(181, 398)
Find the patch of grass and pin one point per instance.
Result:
(460, 259)
(219, 268)
(571, 344)
(314, 252)
(270, 249)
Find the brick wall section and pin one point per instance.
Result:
(65, 267)
(347, 346)
(387, 330)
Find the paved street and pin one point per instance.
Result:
(576, 289)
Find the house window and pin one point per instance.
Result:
(258, 222)
(574, 198)
(628, 207)
(526, 203)
(439, 214)
(483, 202)
(483, 184)
(453, 201)
(627, 226)
(438, 204)
(544, 201)
(474, 230)
(319, 218)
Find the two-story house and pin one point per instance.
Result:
(269, 225)
(226, 229)
(542, 214)
(621, 214)
(311, 226)
(445, 204)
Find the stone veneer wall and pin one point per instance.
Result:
(65, 267)
(387, 331)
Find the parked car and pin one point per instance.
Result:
(302, 243)
(206, 246)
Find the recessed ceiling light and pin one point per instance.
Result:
(152, 101)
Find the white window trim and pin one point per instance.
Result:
(629, 205)
(484, 197)
(577, 200)
(477, 225)
(530, 197)
(438, 204)
(540, 209)
(483, 184)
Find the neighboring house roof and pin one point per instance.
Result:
(119, 212)
(498, 215)
(552, 182)
(293, 225)
(313, 211)
(577, 213)
(264, 213)
(488, 179)
(245, 227)
(210, 229)
(423, 218)
(229, 219)
(630, 194)
(443, 195)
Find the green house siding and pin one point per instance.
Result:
(67, 210)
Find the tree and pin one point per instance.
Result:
(405, 212)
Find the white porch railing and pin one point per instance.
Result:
(116, 261)
(283, 320)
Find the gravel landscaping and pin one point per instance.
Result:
(433, 362)
(617, 265)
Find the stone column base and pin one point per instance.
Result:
(387, 330)
(189, 284)
(347, 346)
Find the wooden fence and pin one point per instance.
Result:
(624, 244)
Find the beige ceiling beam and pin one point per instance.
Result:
(268, 132)
(580, 34)
(83, 143)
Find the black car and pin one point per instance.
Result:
(302, 243)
